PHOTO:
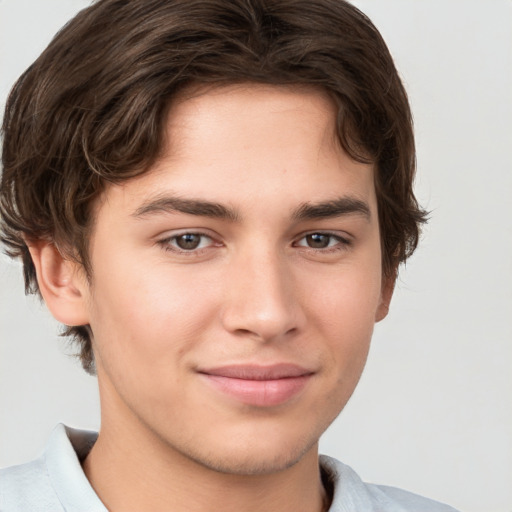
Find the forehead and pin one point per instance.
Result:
(245, 143)
(265, 115)
(249, 103)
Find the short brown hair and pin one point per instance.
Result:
(91, 109)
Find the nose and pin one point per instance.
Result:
(262, 300)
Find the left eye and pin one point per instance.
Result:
(319, 241)
(189, 241)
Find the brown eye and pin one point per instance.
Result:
(322, 240)
(188, 241)
(191, 243)
(318, 240)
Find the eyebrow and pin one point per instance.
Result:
(306, 211)
(334, 208)
(172, 204)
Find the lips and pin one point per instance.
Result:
(261, 386)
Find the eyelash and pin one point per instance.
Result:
(342, 243)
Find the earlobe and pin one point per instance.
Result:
(388, 286)
(61, 284)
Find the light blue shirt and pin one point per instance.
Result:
(56, 483)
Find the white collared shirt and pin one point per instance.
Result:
(55, 482)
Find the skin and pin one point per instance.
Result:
(255, 291)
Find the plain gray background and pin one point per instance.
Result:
(432, 413)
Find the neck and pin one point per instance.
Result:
(132, 469)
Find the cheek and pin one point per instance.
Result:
(342, 306)
(346, 298)
(141, 310)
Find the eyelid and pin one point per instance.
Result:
(342, 235)
(174, 233)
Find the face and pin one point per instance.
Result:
(235, 285)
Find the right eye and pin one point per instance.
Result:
(186, 242)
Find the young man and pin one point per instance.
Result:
(214, 197)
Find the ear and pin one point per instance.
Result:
(62, 284)
(388, 286)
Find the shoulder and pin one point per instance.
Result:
(352, 494)
(55, 481)
(27, 487)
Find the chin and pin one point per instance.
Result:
(253, 458)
